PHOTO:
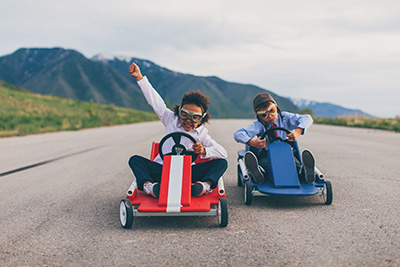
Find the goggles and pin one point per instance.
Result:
(195, 117)
(272, 110)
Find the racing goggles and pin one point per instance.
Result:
(195, 117)
(272, 110)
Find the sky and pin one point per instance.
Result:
(344, 52)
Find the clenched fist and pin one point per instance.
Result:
(134, 71)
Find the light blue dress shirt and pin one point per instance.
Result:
(290, 121)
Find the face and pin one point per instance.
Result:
(188, 115)
(269, 114)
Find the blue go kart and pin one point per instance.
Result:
(283, 179)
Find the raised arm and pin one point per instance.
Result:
(151, 95)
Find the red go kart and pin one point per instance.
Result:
(175, 197)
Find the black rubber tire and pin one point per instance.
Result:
(222, 212)
(248, 194)
(328, 194)
(239, 180)
(126, 213)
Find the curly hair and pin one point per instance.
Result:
(197, 98)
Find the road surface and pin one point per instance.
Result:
(60, 193)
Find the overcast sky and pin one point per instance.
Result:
(344, 52)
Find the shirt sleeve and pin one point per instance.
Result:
(213, 149)
(298, 121)
(155, 101)
(243, 135)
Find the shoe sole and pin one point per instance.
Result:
(309, 166)
(156, 190)
(197, 189)
(252, 165)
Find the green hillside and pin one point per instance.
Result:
(22, 113)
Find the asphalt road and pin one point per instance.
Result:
(60, 193)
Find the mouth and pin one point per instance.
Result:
(187, 125)
(268, 120)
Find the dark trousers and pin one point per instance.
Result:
(147, 170)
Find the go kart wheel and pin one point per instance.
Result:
(222, 212)
(239, 182)
(327, 193)
(126, 213)
(248, 193)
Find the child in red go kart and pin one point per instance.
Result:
(269, 116)
(188, 117)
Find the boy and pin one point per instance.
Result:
(188, 117)
(269, 115)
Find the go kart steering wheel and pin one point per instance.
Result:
(271, 135)
(178, 148)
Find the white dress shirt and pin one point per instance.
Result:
(171, 123)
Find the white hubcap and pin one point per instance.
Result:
(122, 213)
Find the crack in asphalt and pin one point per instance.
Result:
(46, 162)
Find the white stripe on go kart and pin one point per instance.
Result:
(175, 184)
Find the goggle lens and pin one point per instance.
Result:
(272, 110)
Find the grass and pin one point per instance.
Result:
(372, 123)
(23, 113)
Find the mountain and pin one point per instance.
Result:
(67, 73)
(229, 100)
(328, 110)
(104, 79)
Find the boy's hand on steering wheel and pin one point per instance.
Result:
(258, 142)
(294, 134)
(198, 148)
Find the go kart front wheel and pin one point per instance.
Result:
(126, 213)
(222, 212)
(248, 193)
(327, 193)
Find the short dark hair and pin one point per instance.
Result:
(197, 98)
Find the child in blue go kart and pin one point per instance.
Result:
(188, 117)
(269, 116)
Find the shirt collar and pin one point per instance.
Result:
(198, 129)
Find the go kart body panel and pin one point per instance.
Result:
(304, 189)
(283, 168)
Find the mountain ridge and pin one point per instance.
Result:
(105, 80)
(328, 110)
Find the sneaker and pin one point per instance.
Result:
(200, 188)
(308, 166)
(152, 189)
(251, 162)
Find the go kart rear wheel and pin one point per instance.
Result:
(248, 193)
(126, 213)
(222, 212)
(239, 181)
(327, 193)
